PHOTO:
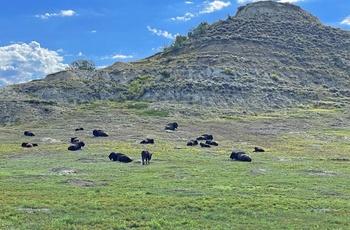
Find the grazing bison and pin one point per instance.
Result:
(76, 146)
(74, 140)
(78, 129)
(99, 133)
(209, 142)
(192, 143)
(147, 141)
(121, 157)
(240, 156)
(171, 126)
(203, 145)
(146, 156)
(205, 137)
(256, 149)
(28, 133)
(28, 145)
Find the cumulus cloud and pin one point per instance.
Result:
(186, 17)
(122, 56)
(161, 33)
(24, 62)
(214, 6)
(346, 21)
(62, 13)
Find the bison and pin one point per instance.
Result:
(203, 145)
(192, 143)
(240, 156)
(146, 156)
(99, 133)
(171, 126)
(205, 137)
(121, 157)
(76, 146)
(256, 149)
(28, 145)
(78, 129)
(209, 142)
(147, 141)
(28, 133)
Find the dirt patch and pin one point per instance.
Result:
(321, 173)
(62, 171)
(80, 182)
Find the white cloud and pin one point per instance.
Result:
(161, 33)
(346, 21)
(62, 13)
(214, 6)
(188, 2)
(186, 17)
(24, 62)
(80, 54)
(121, 56)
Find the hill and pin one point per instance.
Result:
(267, 56)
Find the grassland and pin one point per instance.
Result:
(300, 182)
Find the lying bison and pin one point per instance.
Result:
(256, 149)
(28, 145)
(76, 146)
(121, 157)
(209, 142)
(28, 133)
(146, 156)
(203, 145)
(240, 156)
(205, 137)
(99, 133)
(171, 126)
(192, 143)
(79, 129)
(147, 141)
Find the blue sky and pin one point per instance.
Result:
(39, 37)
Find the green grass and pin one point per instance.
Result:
(300, 182)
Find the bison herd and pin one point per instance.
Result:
(205, 141)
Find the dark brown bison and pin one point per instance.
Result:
(203, 145)
(147, 141)
(209, 142)
(74, 140)
(146, 156)
(256, 149)
(205, 137)
(192, 143)
(76, 146)
(99, 133)
(78, 129)
(28, 145)
(121, 157)
(28, 133)
(171, 126)
(240, 156)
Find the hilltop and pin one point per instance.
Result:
(267, 56)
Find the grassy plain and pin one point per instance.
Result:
(300, 182)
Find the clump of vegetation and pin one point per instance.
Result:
(82, 65)
(199, 30)
(228, 71)
(275, 77)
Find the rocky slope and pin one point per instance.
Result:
(268, 55)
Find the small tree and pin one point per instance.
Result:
(82, 65)
(200, 29)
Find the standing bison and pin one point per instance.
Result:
(171, 126)
(121, 157)
(146, 156)
(99, 133)
(240, 156)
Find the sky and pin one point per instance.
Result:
(39, 37)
